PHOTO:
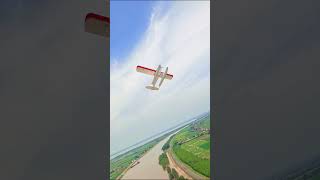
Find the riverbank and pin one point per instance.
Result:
(183, 169)
(148, 167)
(188, 152)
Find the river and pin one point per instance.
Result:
(149, 167)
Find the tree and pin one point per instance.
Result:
(163, 160)
(165, 146)
(168, 170)
(175, 174)
(171, 177)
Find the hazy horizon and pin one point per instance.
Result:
(155, 136)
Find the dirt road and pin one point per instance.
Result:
(174, 165)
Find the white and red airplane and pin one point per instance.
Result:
(156, 75)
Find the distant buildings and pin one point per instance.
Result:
(199, 129)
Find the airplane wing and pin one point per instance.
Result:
(97, 24)
(152, 72)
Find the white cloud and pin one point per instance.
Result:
(179, 38)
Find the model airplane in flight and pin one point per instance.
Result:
(156, 75)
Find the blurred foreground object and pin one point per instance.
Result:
(97, 24)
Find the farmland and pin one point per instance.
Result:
(121, 163)
(192, 146)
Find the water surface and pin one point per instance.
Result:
(149, 167)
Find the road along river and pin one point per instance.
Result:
(149, 167)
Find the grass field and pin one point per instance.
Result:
(200, 147)
(192, 146)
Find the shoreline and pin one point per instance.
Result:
(129, 167)
(120, 177)
(153, 161)
(191, 173)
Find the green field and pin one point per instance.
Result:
(200, 147)
(192, 146)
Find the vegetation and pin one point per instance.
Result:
(173, 175)
(198, 164)
(167, 144)
(181, 178)
(163, 161)
(199, 146)
(192, 146)
(205, 145)
(205, 123)
(120, 163)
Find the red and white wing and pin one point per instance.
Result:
(151, 72)
(97, 24)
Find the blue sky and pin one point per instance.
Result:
(129, 20)
(175, 34)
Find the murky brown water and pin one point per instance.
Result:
(149, 167)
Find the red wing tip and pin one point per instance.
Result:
(151, 70)
(142, 67)
(145, 68)
(97, 16)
